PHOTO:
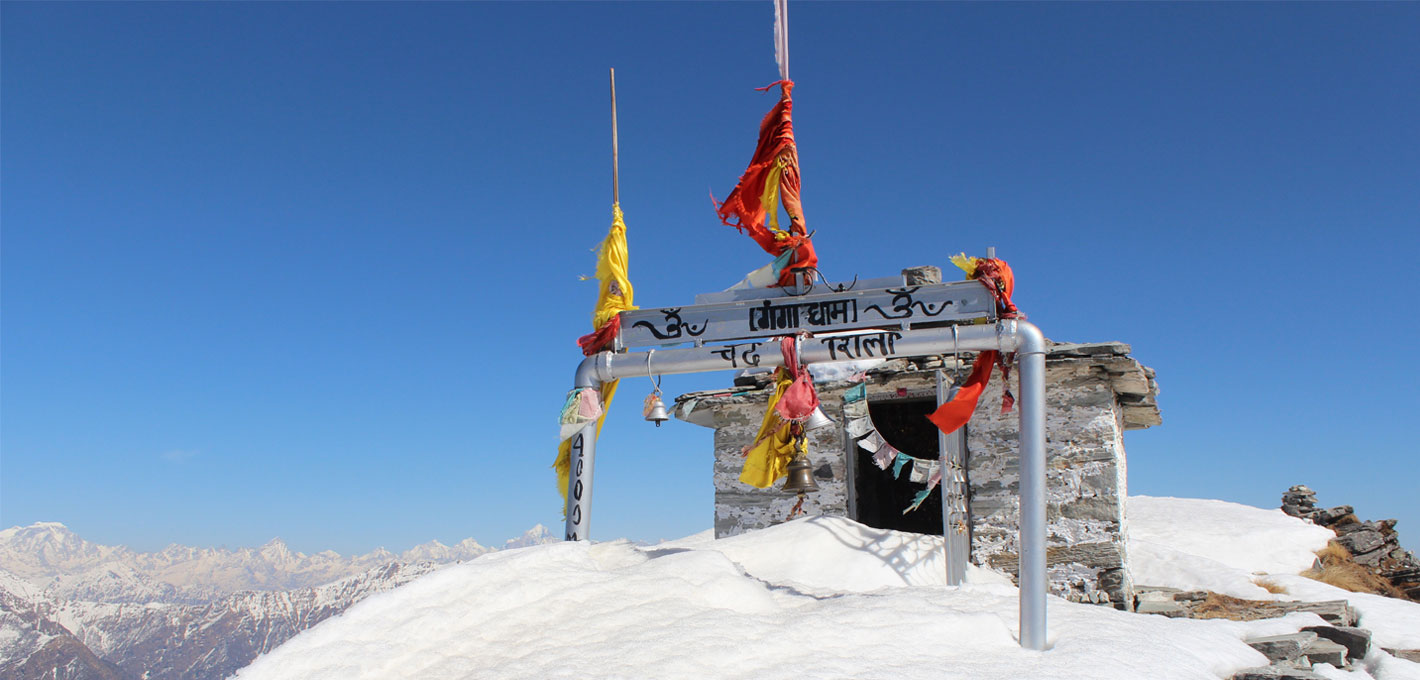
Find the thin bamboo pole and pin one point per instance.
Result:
(615, 160)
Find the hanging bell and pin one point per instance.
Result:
(801, 477)
(655, 410)
(818, 419)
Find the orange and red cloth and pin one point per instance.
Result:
(773, 178)
(996, 276)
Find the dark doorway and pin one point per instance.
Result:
(880, 498)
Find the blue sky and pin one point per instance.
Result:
(311, 270)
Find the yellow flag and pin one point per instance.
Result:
(614, 297)
(964, 263)
(767, 459)
(616, 293)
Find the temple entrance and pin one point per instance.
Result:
(879, 498)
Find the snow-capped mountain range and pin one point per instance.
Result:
(56, 559)
(74, 609)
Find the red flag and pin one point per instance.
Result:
(773, 172)
(996, 275)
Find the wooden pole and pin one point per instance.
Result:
(615, 161)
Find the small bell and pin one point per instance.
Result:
(818, 419)
(655, 410)
(801, 477)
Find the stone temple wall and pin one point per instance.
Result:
(1093, 394)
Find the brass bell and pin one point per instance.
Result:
(801, 477)
(655, 410)
(818, 419)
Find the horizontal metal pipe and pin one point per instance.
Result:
(875, 344)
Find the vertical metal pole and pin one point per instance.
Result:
(579, 484)
(952, 449)
(781, 37)
(1032, 577)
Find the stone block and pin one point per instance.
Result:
(1296, 510)
(1407, 654)
(1370, 559)
(1154, 589)
(1097, 555)
(1276, 673)
(1359, 542)
(1111, 579)
(1156, 596)
(1283, 647)
(1404, 557)
(1325, 651)
(1405, 573)
(1167, 608)
(1357, 641)
(1330, 515)
(1334, 612)
(922, 276)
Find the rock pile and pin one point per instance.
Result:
(1292, 655)
(1374, 545)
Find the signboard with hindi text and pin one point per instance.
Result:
(779, 312)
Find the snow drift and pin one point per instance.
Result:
(818, 597)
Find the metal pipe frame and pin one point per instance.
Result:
(1009, 335)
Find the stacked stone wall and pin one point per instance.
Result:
(740, 507)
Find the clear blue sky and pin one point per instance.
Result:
(311, 270)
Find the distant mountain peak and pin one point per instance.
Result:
(276, 549)
(39, 530)
(537, 535)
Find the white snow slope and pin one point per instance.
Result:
(814, 598)
(1227, 548)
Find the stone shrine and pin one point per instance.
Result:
(1094, 393)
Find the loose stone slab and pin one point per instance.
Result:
(1357, 641)
(1326, 651)
(1362, 541)
(1283, 647)
(1167, 608)
(1276, 673)
(1335, 612)
(1407, 654)
(1154, 589)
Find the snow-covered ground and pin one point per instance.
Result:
(823, 598)
(1227, 548)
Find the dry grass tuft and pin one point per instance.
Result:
(1270, 586)
(1217, 606)
(1333, 553)
(1338, 569)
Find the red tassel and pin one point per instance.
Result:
(601, 338)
